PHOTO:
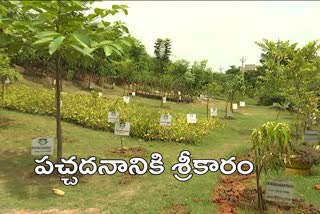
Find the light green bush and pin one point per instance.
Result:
(91, 111)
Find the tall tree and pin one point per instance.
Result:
(162, 51)
(64, 29)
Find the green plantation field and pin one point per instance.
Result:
(122, 193)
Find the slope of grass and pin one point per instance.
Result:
(20, 188)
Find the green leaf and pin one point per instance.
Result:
(55, 44)
(43, 41)
(47, 34)
(84, 51)
(125, 42)
(107, 50)
(99, 11)
(82, 39)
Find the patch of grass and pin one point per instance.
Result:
(20, 188)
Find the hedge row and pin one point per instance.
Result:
(92, 111)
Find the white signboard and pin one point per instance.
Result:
(234, 106)
(42, 146)
(164, 99)
(214, 112)
(279, 191)
(113, 116)
(242, 104)
(165, 120)
(122, 128)
(126, 99)
(191, 118)
(7, 81)
(229, 114)
(133, 94)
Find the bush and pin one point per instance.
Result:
(91, 111)
(70, 75)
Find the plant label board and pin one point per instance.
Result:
(126, 99)
(164, 99)
(214, 112)
(242, 104)
(234, 106)
(122, 128)
(165, 120)
(279, 191)
(42, 146)
(191, 118)
(7, 81)
(113, 116)
(229, 114)
(133, 94)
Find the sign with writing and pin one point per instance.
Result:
(279, 191)
(234, 106)
(133, 94)
(165, 120)
(7, 81)
(126, 99)
(214, 111)
(113, 116)
(164, 99)
(229, 114)
(122, 128)
(42, 146)
(191, 118)
(242, 104)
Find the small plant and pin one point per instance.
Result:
(270, 142)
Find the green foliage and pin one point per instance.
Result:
(70, 75)
(91, 111)
(294, 73)
(6, 72)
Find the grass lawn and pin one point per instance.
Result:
(20, 188)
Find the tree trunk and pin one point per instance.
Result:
(3, 91)
(261, 203)
(208, 108)
(231, 102)
(58, 105)
(60, 83)
(124, 89)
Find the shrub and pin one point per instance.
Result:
(92, 111)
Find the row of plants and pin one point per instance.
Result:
(92, 111)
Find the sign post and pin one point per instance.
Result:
(165, 120)
(122, 129)
(279, 191)
(191, 118)
(214, 112)
(42, 146)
